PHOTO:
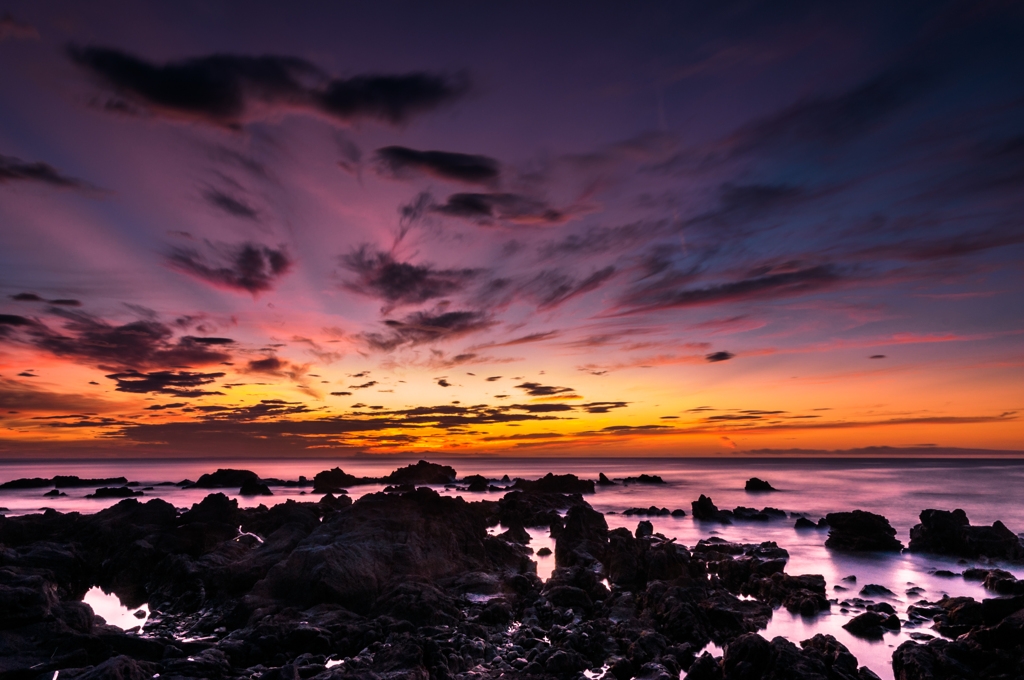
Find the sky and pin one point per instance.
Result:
(260, 229)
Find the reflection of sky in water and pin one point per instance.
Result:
(110, 608)
(987, 491)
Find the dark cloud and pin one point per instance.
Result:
(944, 247)
(229, 90)
(769, 285)
(27, 374)
(207, 341)
(399, 161)
(26, 297)
(493, 378)
(363, 386)
(164, 407)
(552, 288)
(443, 383)
(877, 356)
(16, 170)
(12, 28)
(718, 356)
(231, 205)
(267, 408)
(503, 207)
(744, 202)
(13, 320)
(541, 408)
(65, 302)
(137, 345)
(600, 240)
(249, 266)
(400, 283)
(427, 327)
(341, 394)
(537, 390)
(603, 406)
(272, 365)
(178, 383)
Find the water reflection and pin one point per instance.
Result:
(113, 612)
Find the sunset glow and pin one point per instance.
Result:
(395, 233)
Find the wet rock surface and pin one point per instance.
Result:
(861, 531)
(411, 583)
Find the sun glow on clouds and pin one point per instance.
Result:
(384, 249)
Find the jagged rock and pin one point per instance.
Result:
(951, 533)
(861, 531)
(644, 479)
(604, 481)
(422, 472)
(583, 538)
(872, 625)
(705, 510)
(333, 480)
(552, 483)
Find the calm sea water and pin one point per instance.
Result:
(987, 490)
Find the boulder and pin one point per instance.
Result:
(951, 533)
(755, 484)
(604, 481)
(333, 480)
(114, 492)
(644, 479)
(861, 531)
(422, 473)
(226, 479)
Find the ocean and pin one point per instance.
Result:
(988, 490)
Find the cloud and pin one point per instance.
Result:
(443, 383)
(9, 321)
(137, 345)
(229, 90)
(547, 289)
(537, 390)
(16, 170)
(272, 365)
(877, 356)
(230, 205)
(488, 209)
(246, 267)
(493, 378)
(179, 384)
(341, 394)
(27, 297)
(770, 285)
(363, 386)
(17, 395)
(19, 30)
(207, 341)
(400, 283)
(427, 327)
(164, 407)
(715, 357)
(400, 161)
(603, 406)
(32, 297)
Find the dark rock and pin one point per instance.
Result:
(678, 513)
(119, 668)
(644, 528)
(705, 510)
(54, 493)
(755, 484)
(804, 523)
(544, 552)
(71, 481)
(861, 531)
(254, 488)
(875, 590)
(706, 667)
(644, 479)
(951, 533)
(27, 483)
(870, 625)
(333, 480)
(226, 479)
(551, 483)
(476, 483)
(422, 472)
(114, 492)
(583, 538)
(604, 481)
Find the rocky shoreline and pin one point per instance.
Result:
(410, 583)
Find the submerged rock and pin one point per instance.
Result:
(861, 531)
(705, 510)
(254, 488)
(422, 472)
(114, 492)
(644, 479)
